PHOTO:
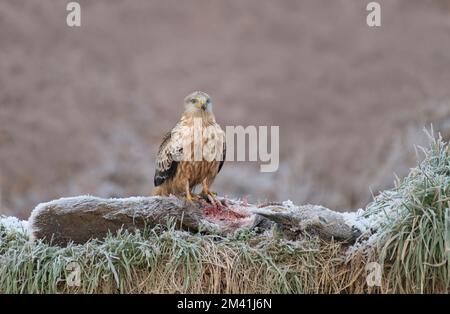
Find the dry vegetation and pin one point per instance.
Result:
(407, 235)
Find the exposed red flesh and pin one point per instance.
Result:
(219, 211)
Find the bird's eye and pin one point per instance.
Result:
(193, 100)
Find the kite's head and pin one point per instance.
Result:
(198, 101)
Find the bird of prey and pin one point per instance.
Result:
(192, 153)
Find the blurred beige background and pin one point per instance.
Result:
(83, 110)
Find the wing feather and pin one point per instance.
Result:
(224, 154)
(166, 165)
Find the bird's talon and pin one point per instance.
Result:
(191, 198)
(211, 199)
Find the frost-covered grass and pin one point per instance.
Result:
(411, 240)
(169, 261)
(406, 227)
(404, 231)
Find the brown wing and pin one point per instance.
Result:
(166, 165)
(224, 154)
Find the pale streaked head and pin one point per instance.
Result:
(198, 101)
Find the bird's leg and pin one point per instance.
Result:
(189, 196)
(206, 193)
(188, 192)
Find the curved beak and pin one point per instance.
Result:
(201, 104)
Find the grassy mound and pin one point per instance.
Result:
(406, 231)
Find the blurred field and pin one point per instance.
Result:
(82, 111)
